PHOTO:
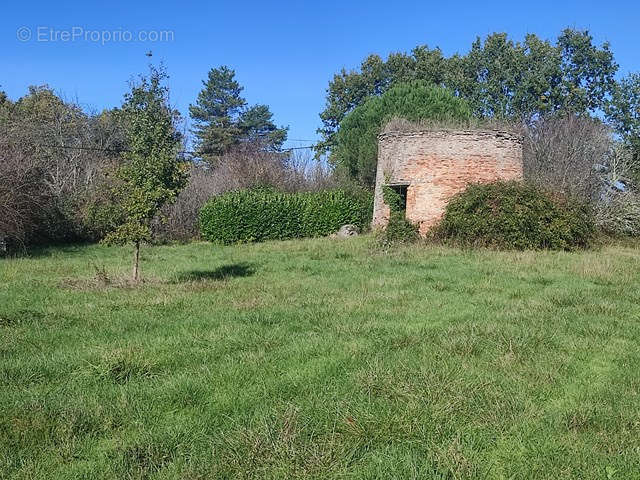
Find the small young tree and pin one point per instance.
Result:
(151, 174)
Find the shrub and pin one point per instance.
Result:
(399, 230)
(620, 215)
(265, 214)
(513, 215)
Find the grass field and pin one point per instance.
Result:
(320, 359)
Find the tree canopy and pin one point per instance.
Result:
(498, 77)
(357, 147)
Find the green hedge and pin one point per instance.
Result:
(513, 215)
(257, 215)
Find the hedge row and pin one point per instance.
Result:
(257, 215)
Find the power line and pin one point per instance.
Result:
(122, 150)
(299, 148)
(80, 147)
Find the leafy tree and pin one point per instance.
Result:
(587, 73)
(498, 77)
(517, 80)
(489, 76)
(223, 119)
(624, 114)
(152, 174)
(357, 146)
(347, 90)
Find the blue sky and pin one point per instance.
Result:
(284, 53)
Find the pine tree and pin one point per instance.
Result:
(222, 118)
(256, 124)
(216, 113)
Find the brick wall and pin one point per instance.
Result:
(438, 164)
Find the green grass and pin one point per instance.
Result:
(320, 359)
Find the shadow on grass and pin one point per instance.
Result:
(43, 251)
(221, 273)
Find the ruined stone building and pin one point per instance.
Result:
(428, 167)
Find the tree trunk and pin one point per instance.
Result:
(136, 263)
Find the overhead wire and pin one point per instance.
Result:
(121, 150)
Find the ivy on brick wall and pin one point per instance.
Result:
(399, 229)
(393, 199)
